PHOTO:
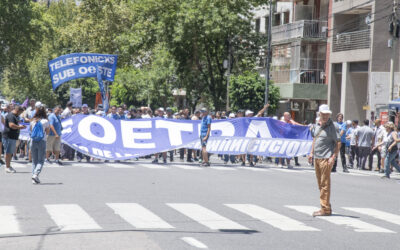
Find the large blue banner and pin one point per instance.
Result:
(110, 139)
(82, 65)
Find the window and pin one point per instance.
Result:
(258, 21)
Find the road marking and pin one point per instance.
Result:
(119, 165)
(389, 217)
(138, 216)
(86, 165)
(8, 220)
(356, 224)
(206, 217)
(153, 166)
(191, 167)
(223, 168)
(194, 243)
(20, 165)
(288, 170)
(254, 169)
(274, 219)
(71, 217)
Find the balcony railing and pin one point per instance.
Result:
(352, 40)
(300, 29)
(298, 76)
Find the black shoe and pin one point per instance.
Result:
(333, 171)
(189, 160)
(2, 162)
(155, 161)
(243, 164)
(196, 159)
(59, 162)
(165, 161)
(345, 170)
(251, 164)
(205, 164)
(297, 164)
(15, 158)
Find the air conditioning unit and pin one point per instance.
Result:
(324, 31)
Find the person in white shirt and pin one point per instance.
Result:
(353, 145)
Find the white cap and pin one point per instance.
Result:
(99, 112)
(324, 109)
(348, 122)
(38, 105)
(232, 115)
(248, 112)
(161, 109)
(275, 117)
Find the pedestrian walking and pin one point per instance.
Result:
(364, 138)
(40, 128)
(391, 149)
(53, 143)
(378, 138)
(324, 149)
(353, 145)
(11, 134)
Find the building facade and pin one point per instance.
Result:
(360, 50)
(299, 46)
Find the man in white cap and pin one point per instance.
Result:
(325, 148)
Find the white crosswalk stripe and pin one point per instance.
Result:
(71, 217)
(222, 168)
(206, 217)
(188, 167)
(389, 217)
(119, 165)
(356, 224)
(138, 216)
(8, 220)
(153, 166)
(255, 169)
(272, 218)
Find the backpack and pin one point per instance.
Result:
(37, 132)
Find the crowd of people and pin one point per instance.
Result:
(358, 143)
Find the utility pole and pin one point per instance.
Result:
(269, 54)
(394, 30)
(228, 76)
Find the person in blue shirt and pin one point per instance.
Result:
(121, 113)
(343, 127)
(114, 115)
(53, 144)
(205, 131)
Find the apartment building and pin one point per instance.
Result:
(299, 38)
(358, 62)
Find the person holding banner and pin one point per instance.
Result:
(325, 148)
(204, 135)
(160, 114)
(38, 142)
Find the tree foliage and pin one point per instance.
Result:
(247, 91)
(161, 44)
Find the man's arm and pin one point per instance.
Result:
(335, 153)
(261, 112)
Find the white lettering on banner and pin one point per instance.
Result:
(283, 147)
(130, 136)
(244, 145)
(63, 75)
(264, 145)
(275, 146)
(110, 135)
(97, 151)
(226, 128)
(253, 146)
(107, 154)
(67, 126)
(175, 130)
(293, 148)
(235, 145)
(258, 128)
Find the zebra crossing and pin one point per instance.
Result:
(73, 217)
(195, 167)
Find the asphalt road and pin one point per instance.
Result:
(138, 205)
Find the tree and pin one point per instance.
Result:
(247, 92)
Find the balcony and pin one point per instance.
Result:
(298, 76)
(300, 29)
(352, 40)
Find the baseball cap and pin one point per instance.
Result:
(324, 109)
(348, 122)
(232, 115)
(168, 109)
(203, 110)
(85, 106)
(248, 112)
(38, 105)
(161, 109)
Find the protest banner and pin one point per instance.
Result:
(105, 138)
